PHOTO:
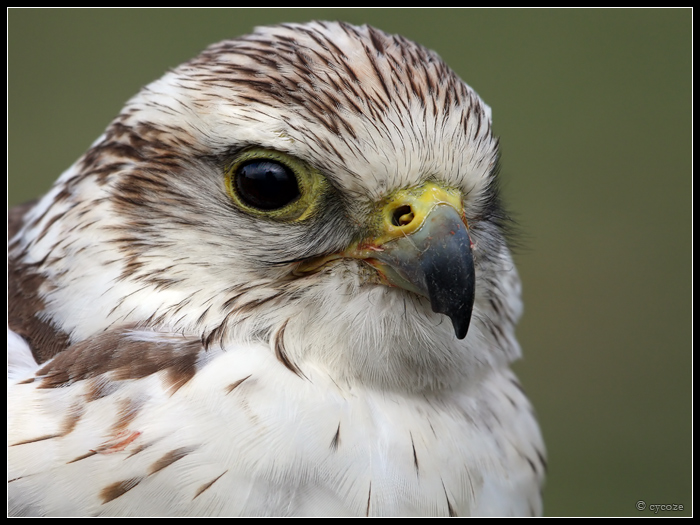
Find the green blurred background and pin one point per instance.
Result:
(593, 108)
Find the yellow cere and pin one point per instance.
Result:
(405, 211)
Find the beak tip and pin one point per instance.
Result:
(461, 320)
(461, 329)
(457, 309)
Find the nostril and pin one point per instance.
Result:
(402, 216)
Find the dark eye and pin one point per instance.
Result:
(274, 185)
(266, 184)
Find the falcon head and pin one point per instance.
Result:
(326, 189)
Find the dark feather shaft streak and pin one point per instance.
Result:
(204, 487)
(336, 439)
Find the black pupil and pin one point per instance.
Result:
(266, 184)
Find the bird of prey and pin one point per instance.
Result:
(277, 285)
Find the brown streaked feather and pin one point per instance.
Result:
(15, 217)
(126, 413)
(142, 447)
(24, 303)
(34, 440)
(99, 387)
(207, 485)
(84, 456)
(235, 385)
(72, 417)
(69, 423)
(113, 491)
(169, 458)
(281, 353)
(124, 357)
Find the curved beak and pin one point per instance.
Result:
(419, 241)
(436, 262)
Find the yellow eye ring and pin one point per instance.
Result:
(274, 185)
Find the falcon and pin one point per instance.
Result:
(277, 285)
